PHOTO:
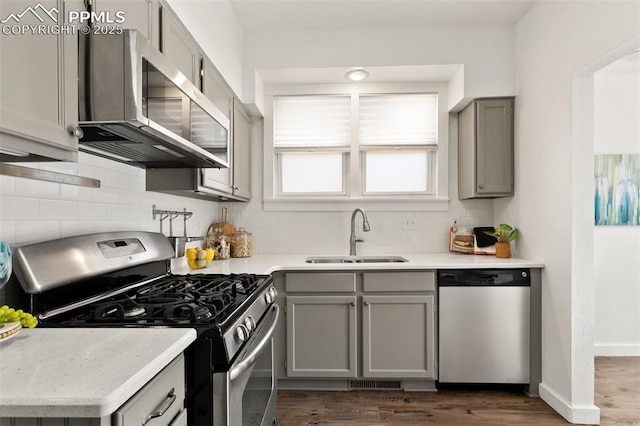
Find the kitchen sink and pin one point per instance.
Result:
(356, 259)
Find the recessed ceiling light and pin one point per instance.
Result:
(357, 74)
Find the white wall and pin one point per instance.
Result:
(328, 232)
(216, 28)
(32, 210)
(617, 248)
(487, 53)
(553, 41)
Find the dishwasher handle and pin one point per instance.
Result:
(520, 277)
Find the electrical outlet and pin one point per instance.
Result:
(408, 222)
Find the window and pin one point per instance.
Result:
(312, 135)
(355, 146)
(397, 137)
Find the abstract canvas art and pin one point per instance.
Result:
(617, 182)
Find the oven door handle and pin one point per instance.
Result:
(250, 359)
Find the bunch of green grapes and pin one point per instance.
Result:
(8, 314)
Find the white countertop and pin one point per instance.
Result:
(266, 264)
(82, 372)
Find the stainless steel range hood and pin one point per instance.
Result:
(137, 108)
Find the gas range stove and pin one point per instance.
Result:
(122, 279)
(128, 284)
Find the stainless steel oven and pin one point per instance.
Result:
(246, 393)
(121, 279)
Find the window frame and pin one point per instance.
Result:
(354, 194)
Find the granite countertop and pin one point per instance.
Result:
(267, 264)
(82, 372)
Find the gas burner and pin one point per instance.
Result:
(108, 311)
(186, 312)
(134, 312)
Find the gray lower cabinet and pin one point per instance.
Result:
(398, 336)
(370, 325)
(485, 149)
(164, 393)
(321, 336)
(39, 85)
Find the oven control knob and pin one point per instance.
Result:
(270, 295)
(250, 323)
(242, 333)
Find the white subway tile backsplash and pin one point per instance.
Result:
(32, 210)
(118, 212)
(7, 185)
(70, 228)
(31, 231)
(8, 230)
(106, 195)
(58, 210)
(92, 211)
(37, 188)
(76, 193)
(19, 208)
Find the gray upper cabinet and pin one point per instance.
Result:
(236, 180)
(141, 15)
(216, 90)
(39, 86)
(485, 149)
(241, 152)
(178, 46)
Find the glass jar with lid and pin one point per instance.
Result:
(220, 243)
(242, 244)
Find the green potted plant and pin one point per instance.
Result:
(504, 234)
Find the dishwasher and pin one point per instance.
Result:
(484, 326)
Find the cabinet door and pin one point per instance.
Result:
(39, 84)
(177, 46)
(467, 153)
(215, 89)
(241, 152)
(398, 336)
(494, 152)
(138, 15)
(321, 336)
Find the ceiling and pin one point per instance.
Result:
(256, 15)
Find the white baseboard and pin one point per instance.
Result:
(616, 350)
(581, 415)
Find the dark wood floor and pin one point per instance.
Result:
(617, 394)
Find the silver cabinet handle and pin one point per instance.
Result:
(366, 303)
(171, 398)
(353, 303)
(481, 186)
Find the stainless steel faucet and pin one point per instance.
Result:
(365, 227)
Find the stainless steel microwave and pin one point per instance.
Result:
(137, 108)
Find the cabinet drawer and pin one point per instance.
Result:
(153, 396)
(320, 283)
(399, 281)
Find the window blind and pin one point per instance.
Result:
(410, 119)
(312, 121)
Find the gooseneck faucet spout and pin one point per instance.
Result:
(365, 227)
